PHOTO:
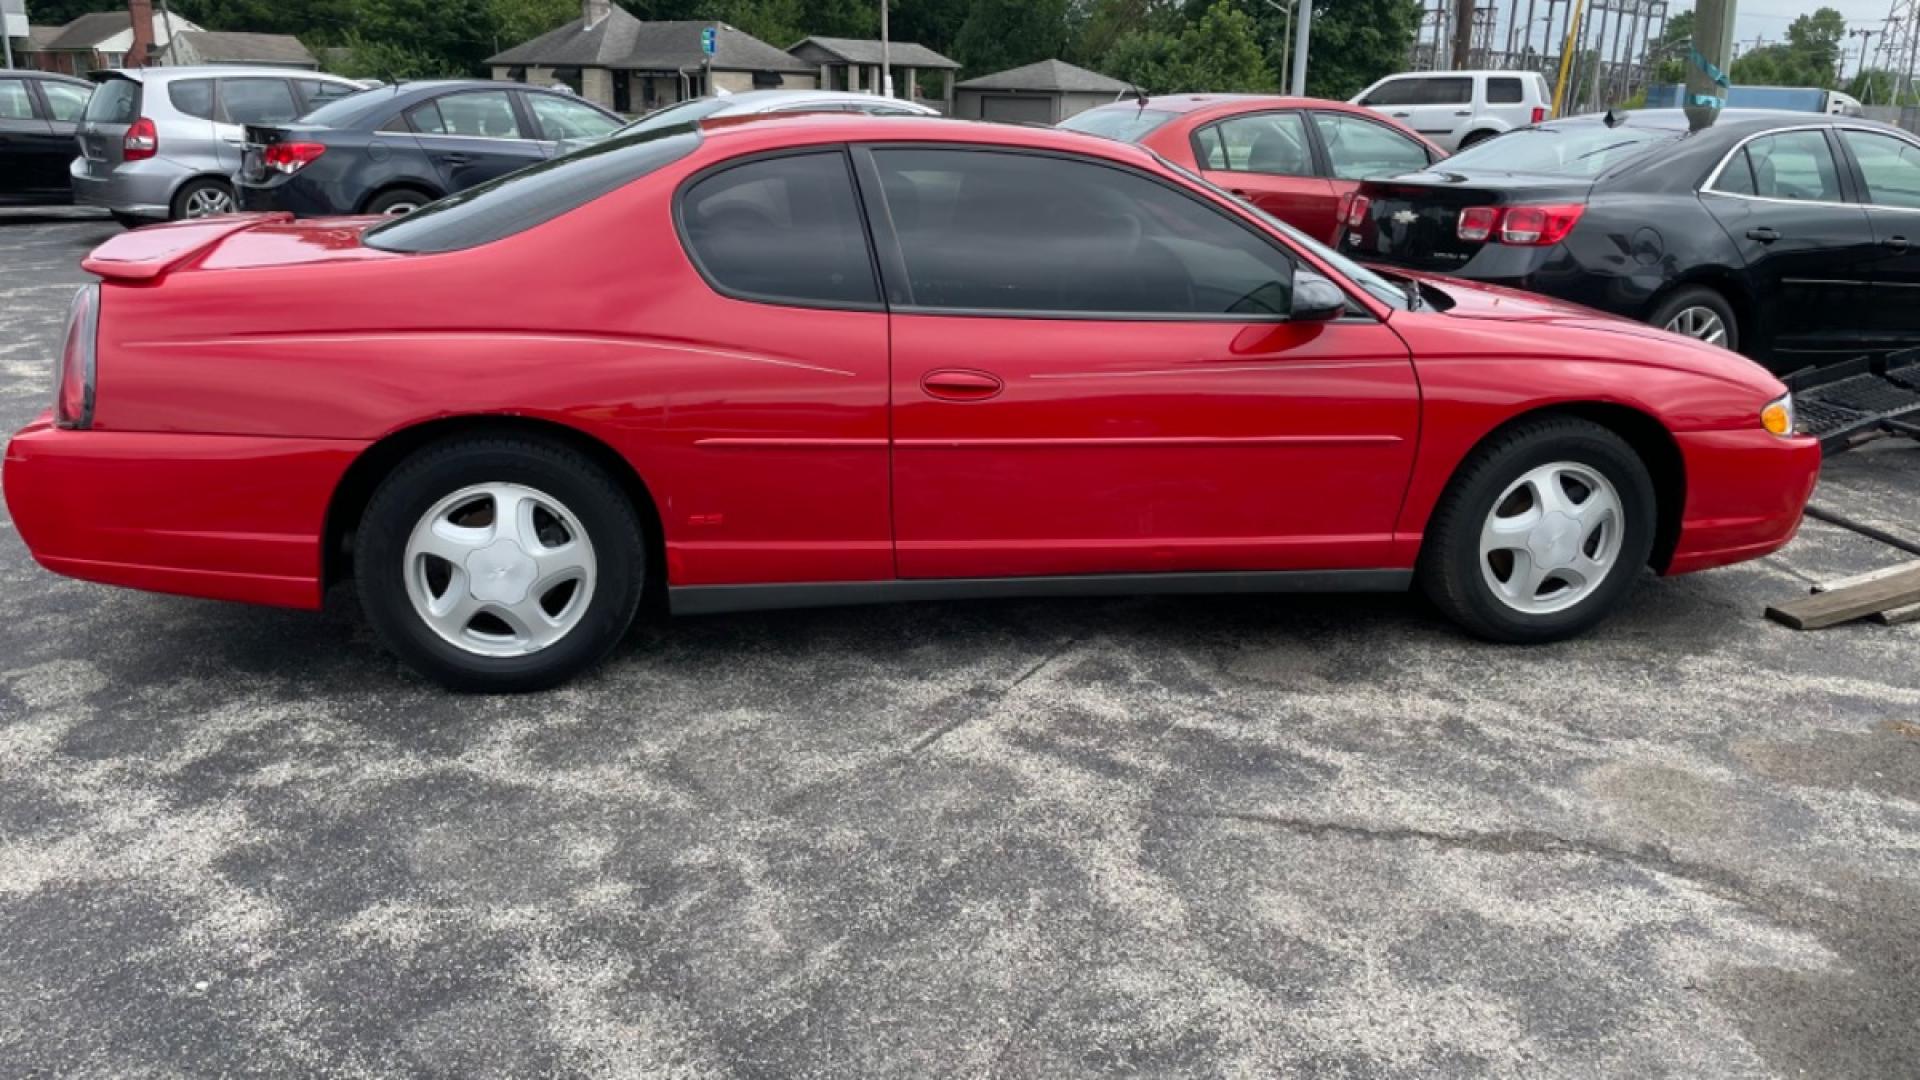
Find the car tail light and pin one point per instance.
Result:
(142, 141)
(1538, 226)
(1539, 114)
(291, 157)
(73, 377)
(1357, 211)
(1476, 223)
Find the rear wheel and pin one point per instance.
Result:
(1699, 313)
(1541, 533)
(396, 203)
(499, 564)
(1475, 138)
(204, 198)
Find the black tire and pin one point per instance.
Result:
(1698, 296)
(387, 201)
(1476, 138)
(603, 510)
(130, 221)
(1450, 572)
(184, 199)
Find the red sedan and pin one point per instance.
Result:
(1298, 159)
(830, 360)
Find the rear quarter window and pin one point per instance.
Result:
(192, 97)
(1504, 92)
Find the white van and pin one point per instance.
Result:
(1459, 108)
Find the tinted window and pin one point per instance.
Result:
(1736, 178)
(347, 112)
(319, 91)
(1572, 149)
(1126, 123)
(193, 97)
(782, 229)
(1397, 92)
(534, 195)
(484, 114)
(1794, 165)
(560, 118)
(1504, 92)
(67, 101)
(992, 231)
(1360, 148)
(114, 101)
(15, 102)
(1424, 91)
(1890, 166)
(257, 101)
(1271, 143)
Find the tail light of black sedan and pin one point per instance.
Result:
(73, 376)
(1519, 226)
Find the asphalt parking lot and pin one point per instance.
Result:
(1171, 837)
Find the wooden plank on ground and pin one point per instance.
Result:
(1853, 602)
(1896, 616)
(1861, 579)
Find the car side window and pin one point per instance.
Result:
(1361, 148)
(1504, 92)
(192, 97)
(1890, 166)
(69, 103)
(1795, 165)
(1447, 91)
(1273, 143)
(1395, 92)
(15, 102)
(482, 114)
(1002, 232)
(560, 118)
(257, 101)
(782, 230)
(1736, 176)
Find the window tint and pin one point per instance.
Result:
(1794, 165)
(1568, 148)
(782, 229)
(1396, 92)
(991, 231)
(485, 114)
(532, 196)
(563, 119)
(1736, 178)
(114, 101)
(67, 101)
(1504, 92)
(15, 102)
(193, 97)
(1891, 167)
(320, 91)
(257, 101)
(1271, 143)
(349, 111)
(1124, 123)
(1424, 91)
(1360, 148)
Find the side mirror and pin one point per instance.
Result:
(1315, 299)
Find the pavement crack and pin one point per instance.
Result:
(1002, 694)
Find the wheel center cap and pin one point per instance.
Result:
(1555, 541)
(500, 573)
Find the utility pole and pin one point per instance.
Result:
(1708, 61)
(886, 68)
(1462, 34)
(1286, 25)
(1300, 30)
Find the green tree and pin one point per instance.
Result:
(1356, 42)
(1816, 38)
(1670, 52)
(515, 21)
(456, 34)
(1218, 52)
(1001, 34)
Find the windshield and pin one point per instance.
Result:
(1377, 286)
(687, 112)
(1126, 123)
(1586, 149)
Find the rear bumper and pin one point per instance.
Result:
(1746, 491)
(144, 188)
(295, 194)
(222, 516)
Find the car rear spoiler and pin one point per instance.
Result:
(145, 254)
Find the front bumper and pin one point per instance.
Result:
(1746, 491)
(229, 517)
(141, 188)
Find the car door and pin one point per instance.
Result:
(1887, 168)
(1357, 149)
(472, 136)
(249, 100)
(64, 104)
(1094, 372)
(1268, 159)
(1808, 250)
(1436, 106)
(32, 157)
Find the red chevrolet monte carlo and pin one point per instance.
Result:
(831, 360)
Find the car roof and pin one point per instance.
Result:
(1741, 121)
(756, 98)
(51, 76)
(801, 129)
(1186, 103)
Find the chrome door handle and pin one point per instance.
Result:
(1763, 234)
(1464, 112)
(1897, 243)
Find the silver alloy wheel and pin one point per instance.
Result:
(209, 201)
(1552, 537)
(401, 208)
(500, 570)
(1701, 323)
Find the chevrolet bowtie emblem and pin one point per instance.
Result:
(1405, 217)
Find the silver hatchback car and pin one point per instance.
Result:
(162, 143)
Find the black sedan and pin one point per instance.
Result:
(1792, 238)
(394, 148)
(39, 113)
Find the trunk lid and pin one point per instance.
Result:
(1413, 220)
(116, 103)
(232, 242)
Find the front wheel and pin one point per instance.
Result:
(499, 564)
(398, 203)
(1542, 532)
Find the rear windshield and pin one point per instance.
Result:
(117, 101)
(536, 194)
(347, 111)
(1560, 149)
(1126, 123)
(686, 112)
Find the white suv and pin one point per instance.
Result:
(1459, 108)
